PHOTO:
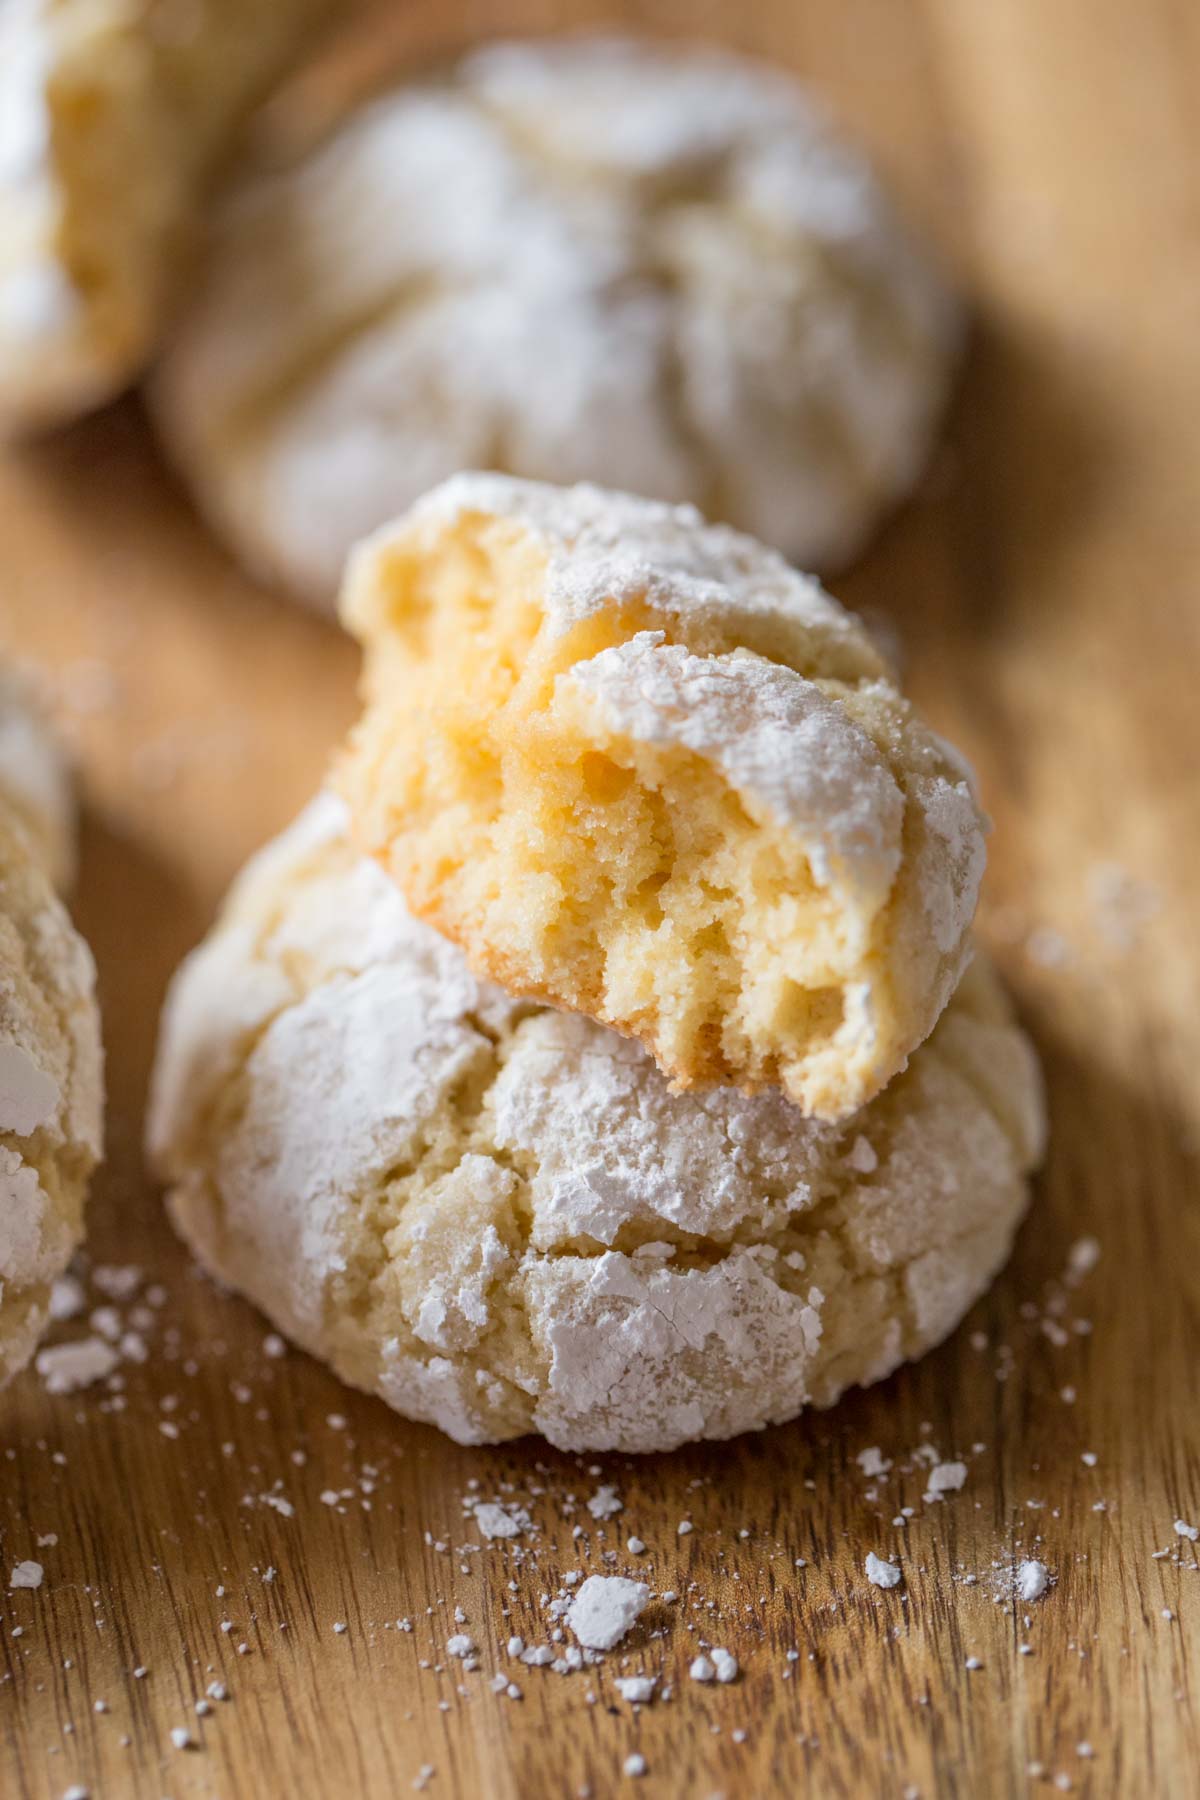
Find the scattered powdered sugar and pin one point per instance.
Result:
(496, 1520)
(882, 1574)
(636, 1688)
(67, 1367)
(605, 1503)
(119, 1281)
(67, 1299)
(605, 1608)
(716, 1665)
(1082, 1258)
(872, 1461)
(861, 1156)
(1033, 1578)
(945, 1478)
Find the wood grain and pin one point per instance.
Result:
(1047, 587)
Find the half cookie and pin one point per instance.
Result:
(501, 1219)
(112, 118)
(639, 767)
(51, 1076)
(588, 259)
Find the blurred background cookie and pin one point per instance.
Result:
(113, 115)
(35, 779)
(51, 1073)
(499, 1218)
(653, 267)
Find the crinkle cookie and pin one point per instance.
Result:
(34, 778)
(113, 114)
(652, 267)
(638, 766)
(501, 1219)
(51, 1072)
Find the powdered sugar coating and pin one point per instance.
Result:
(604, 549)
(649, 266)
(781, 743)
(501, 1219)
(51, 1089)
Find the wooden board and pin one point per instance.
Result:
(1047, 587)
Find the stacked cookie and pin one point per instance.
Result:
(604, 1060)
(51, 1079)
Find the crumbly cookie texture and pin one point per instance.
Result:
(113, 114)
(51, 1089)
(501, 1219)
(637, 766)
(34, 778)
(589, 259)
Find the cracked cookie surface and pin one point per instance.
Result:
(637, 766)
(589, 259)
(500, 1218)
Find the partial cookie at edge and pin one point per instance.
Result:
(51, 1090)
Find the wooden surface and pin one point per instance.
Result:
(1047, 587)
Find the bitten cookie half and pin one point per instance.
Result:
(499, 1217)
(643, 265)
(51, 1069)
(113, 115)
(637, 766)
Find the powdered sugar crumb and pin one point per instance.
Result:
(605, 1608)
(881, 1573)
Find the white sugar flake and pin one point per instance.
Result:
(605, 1608)
(882, 1574)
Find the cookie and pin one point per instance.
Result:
(501, 1219)
(638, 766)
(113, 116)
(51, 1074)
(652, 267)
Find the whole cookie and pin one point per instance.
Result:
(499, 1217)
(51, 1073)
(653, 267)
(113, 114)
(638, 766)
